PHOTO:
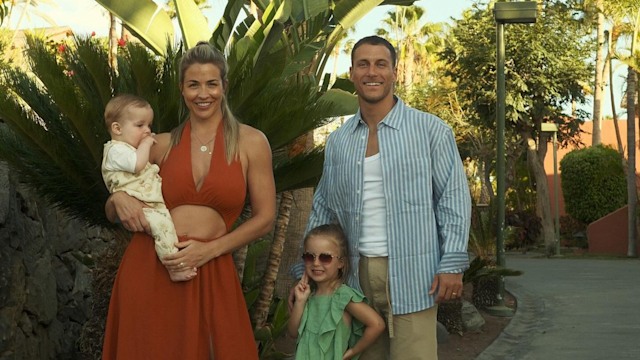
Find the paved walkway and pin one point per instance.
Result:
(571, 309)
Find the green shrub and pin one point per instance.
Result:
(593, 183)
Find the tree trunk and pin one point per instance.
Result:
(485, 292)
(486, 192)
(597, 95)
(300, 211)
(450, 315)
(408, 74)
(275, 255)
(240, 255)
(113, 43)
(632, 193)
(543, 203)
(616, 125)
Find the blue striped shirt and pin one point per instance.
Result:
(426, 193)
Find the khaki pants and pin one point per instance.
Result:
(408, 336)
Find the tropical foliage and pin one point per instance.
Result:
(547, 69)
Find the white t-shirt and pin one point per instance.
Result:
(373, 235)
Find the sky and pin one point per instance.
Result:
(87, 16)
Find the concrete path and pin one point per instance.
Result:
(571, 309)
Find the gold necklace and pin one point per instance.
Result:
(203, 145)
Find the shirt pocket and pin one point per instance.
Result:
(412, 183)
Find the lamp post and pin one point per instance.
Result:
(504, 13)
(550, 127)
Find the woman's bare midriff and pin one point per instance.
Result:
(198, 222)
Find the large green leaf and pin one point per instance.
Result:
(306, 9)
(146, 20)
(343, 103)
(298, 172)
(192, 23)
(398, 2)
(222, 32)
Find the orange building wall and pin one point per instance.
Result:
(609, 234)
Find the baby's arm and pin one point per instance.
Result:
(302, 292)
(374, 326)
(142, 153)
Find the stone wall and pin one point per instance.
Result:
(46, 263)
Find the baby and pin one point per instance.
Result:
(126, 167)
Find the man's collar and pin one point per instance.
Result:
(392, 119)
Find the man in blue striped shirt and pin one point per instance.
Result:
(394, 180)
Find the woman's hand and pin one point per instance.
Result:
(127, 209)
(192, 254)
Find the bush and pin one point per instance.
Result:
(526, 228)
(573, 232)
(593, 183)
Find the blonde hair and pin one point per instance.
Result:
(337, 235)
(204, 53)
(115, 108)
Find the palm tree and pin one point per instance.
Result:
(599, 74)
(611, 42)
(594, 17)
(629, 10)
(405, 31)
(417, 46)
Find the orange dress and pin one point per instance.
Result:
(151, 317)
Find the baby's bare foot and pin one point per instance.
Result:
(183, 275)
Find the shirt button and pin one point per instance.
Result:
(359, 162)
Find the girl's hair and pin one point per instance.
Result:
(115, 108)
(205, 53)
(335, 232)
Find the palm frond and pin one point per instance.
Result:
(299, 172)
(63, 94)
(284, 112)
(482, 267)
(91, 71)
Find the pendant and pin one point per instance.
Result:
(203, 148)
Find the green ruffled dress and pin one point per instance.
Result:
(323, 335)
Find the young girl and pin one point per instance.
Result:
(329, 320)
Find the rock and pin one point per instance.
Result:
(471, 317)
(46, 262)
(441, 333)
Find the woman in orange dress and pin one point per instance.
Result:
(209, 165)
